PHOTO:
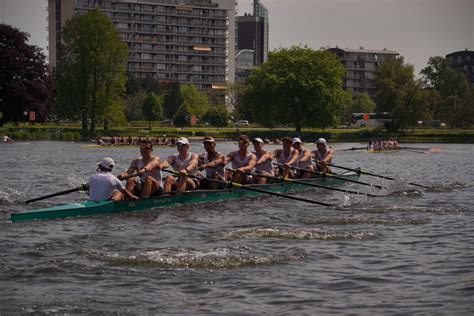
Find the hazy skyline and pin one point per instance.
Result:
(417, 29)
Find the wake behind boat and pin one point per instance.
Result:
(89, 208)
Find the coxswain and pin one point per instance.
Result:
(212, 163)
(264, 165)
(304, 159)
(242, 162)
(185, 163)
(286, 157)
(105, 186)
(149, 182)
(322, 156)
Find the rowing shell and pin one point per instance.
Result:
(89, 208)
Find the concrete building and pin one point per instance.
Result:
(252, 36)
(185, 41)
(361, 65)
(463, 61)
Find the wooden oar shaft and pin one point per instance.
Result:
(307, 183)
(324, 174)
(375, 175)
(245, 187)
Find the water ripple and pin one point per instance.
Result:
(219, 258)
(297, 234)
(361, 221)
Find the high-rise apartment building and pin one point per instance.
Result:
(185, 41)
(252, 32)
(463, 61)
(361, 65)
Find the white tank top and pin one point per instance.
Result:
(318, 157)
(266, 166)
(180, 164)
(284, 159)
(303, 164)
(153, 173)
(210, 171)
(239, 163)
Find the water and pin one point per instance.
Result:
(410, 252)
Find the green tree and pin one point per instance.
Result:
(133, 106)
(451, 88)
(152, 107)
(182, 117)
(299, 86)
(25, 81)
(172, 100)
(196, 102)
(217, 116)
(399, 93)
(91, 69)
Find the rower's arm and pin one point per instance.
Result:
(219, 161)
(153, 164)
(130, 170)
(251, 165)
(228, 158)
(193, 163)
(265, 157)
(294, 158)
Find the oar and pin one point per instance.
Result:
(82, 187)
(374, 175)
(307, 183)
(353, 148)
(324, 174)
(249, 188)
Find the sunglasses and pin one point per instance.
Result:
(145, 148)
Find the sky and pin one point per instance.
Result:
(417, 29)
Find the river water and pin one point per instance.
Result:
(410, 252)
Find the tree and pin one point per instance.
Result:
(196, 102)
(152, 107)
(217, 116)
(133, 106)
(399, 93)
(91, 69)
(450, 87)
(172, 100)
(25, 80)
(299, 86)
(182, 117)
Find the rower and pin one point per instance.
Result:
(304, 159)
(7, 139)
(286, 156)
(323, 156)
(103, 184)
(185, 163)
(242, 161)
(148, 167)
(212, 162)
(264, 164)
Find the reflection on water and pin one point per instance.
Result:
(410, 251)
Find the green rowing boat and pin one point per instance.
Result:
(89, 208)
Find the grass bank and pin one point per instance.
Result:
(72, 133)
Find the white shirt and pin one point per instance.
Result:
(102, 185)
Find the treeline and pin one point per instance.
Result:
(297, 87)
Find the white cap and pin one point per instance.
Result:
(322, 141)
(107, 163)
(208, 139)
(296, 140)
(183, 140)
(257, 140)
